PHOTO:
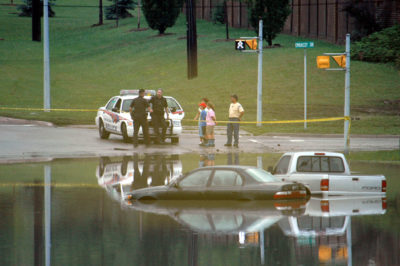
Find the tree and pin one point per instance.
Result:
(26, 8)
(273, 13)
(365, 19)
(119, 9)
(161, 14)
(100, 12)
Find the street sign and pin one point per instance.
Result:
(340, 60)
(244, 44)
(239, 45)
(304, 45)
(323, 61)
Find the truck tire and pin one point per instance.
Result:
(104, 134)
(124, 133)
(175, 140)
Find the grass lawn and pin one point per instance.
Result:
(376, 156)
(91, 64)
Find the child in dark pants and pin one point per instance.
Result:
(202, 123)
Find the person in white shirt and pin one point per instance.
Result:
(236, 113)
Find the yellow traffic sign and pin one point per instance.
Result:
(242, 44)
(323, 61)
(340, 60)
(252, 44)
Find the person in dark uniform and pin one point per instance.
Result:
(138, 110)
(140, 178)
(159, 106)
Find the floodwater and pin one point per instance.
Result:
(71, 212)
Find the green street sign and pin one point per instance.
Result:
(304, 44)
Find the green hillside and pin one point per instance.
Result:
(91, 64)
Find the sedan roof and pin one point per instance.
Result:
(237, 167)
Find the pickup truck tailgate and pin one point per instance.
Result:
(357, 184)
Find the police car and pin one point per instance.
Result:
(117, 177)
(114, 117)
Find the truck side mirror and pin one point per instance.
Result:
(115, 110)
(173, 110)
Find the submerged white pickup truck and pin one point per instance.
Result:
(326, 173)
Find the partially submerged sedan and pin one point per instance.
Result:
(224, 183)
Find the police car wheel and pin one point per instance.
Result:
(174, 140)
(124, 133)
(102, 131)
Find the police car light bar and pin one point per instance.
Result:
(136, 92)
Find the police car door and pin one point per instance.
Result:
(111, 115)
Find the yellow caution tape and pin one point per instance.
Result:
(329, 119)
(44, 109)
(59, 185)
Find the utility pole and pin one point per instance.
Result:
(46, 55)
(116, 13)
(138, 13)
(226, 20)
(36, 31)
(191, 38)
(259, 83)
(347, 96)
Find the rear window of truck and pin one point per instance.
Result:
(322, 164)
(282, 166)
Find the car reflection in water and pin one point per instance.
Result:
(319, 230)
(239, 218)
(121, 176)
(324, 231)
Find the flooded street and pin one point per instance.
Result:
(73, 212)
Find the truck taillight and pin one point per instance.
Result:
(384, 204)
(325, 205)
(319, 153)
(324, 185)
(383, 185)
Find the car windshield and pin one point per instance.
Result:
(260, 175)
(126, 104)
(173, 104)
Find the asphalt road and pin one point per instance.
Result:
(36, 141)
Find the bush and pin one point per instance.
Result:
(382, 46)
(26, 9)
(119, 9)
(161, 14)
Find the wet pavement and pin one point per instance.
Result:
(72, 212)
(34, 141)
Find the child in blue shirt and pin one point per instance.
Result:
(202, 123)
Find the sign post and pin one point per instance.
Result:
(46, 57)
(305, 45)
(343, 60)
(347, 96)
(259, 83)
(251, 42)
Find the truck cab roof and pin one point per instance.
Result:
(315, 153)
